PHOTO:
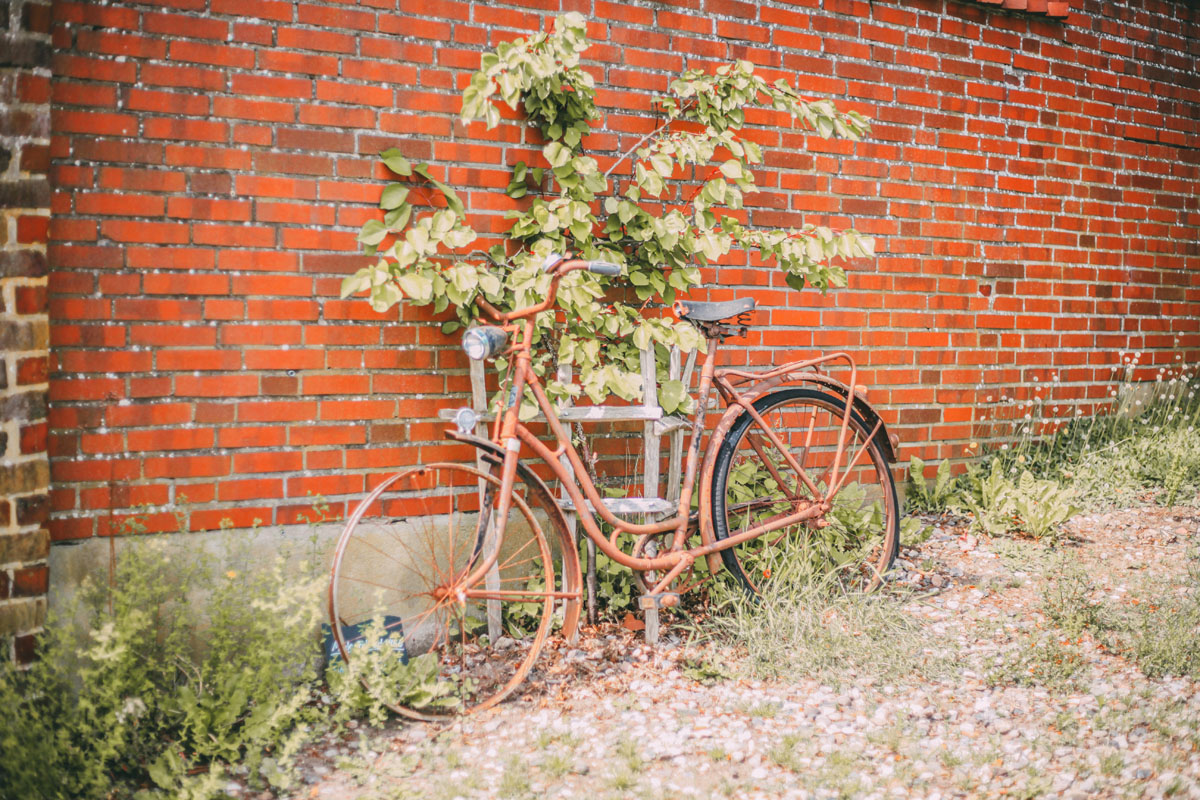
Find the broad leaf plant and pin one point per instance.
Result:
(674, 199)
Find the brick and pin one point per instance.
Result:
(17, 548)
(24, 477)
(33, 193)
(214, 54)
(22, 617)
(277, 10)
(208, 188)
(185, 130)
(22, 264)
(182, 77)
(30, 581)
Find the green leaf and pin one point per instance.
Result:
(916, 472)
(394, 195)
(556, 154)
(732, 169)
(353, 284)
(452, 201)
(397, 163)
(372, 233)
(416, 286)
(672, 395)
(661, 164)
(397, 218)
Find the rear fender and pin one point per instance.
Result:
(867, 412)
(864, 409)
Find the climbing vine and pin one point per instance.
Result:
(674, 198)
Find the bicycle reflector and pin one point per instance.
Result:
(483, 342)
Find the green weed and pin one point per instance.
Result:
(1033, 506)
(1142, 445)
(1038, 661)
(926, 495)
(803, 622)
(783, 752)
(706, 671)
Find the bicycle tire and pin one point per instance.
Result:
(832, 407)
(404, 563)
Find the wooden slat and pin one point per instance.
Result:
(583, 414)
(670, 425)
(626, 505)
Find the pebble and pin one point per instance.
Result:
(947, 734)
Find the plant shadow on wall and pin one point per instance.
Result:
(683, 200)
(142, 690)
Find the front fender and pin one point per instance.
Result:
(572, 578)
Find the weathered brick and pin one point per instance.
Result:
(24, 547)
(20, 51)
(24, 477)
(23, 335)
(22, 616)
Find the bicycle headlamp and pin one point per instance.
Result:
(483, 342)
(465, 419)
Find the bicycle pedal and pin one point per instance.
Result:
(655, 601)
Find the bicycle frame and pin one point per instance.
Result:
(509, 433)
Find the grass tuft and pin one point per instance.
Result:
(804, 623)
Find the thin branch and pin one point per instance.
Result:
(644, 139)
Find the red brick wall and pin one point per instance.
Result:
(1032, 182)
(24, 325)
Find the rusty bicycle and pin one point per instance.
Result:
(455, 562)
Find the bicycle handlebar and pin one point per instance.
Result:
(558, 266)
(604, 268)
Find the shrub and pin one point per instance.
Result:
(141, 691)
(1032, 506)
(1144, 446)
(652, 223)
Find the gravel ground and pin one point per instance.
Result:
(1007, 705)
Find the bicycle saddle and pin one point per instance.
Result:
(712, 312)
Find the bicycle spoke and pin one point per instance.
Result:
(418, 571)
(758, 491)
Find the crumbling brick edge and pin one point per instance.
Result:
(24, 322)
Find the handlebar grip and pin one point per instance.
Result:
(552, 261)
(604, 268)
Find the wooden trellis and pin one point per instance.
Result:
(655, 424)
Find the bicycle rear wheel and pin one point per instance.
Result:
(753, 483)
(407, 597)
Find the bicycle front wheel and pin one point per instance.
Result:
(856, 542)
(431, 635)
